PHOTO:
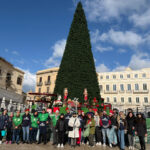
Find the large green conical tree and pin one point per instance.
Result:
(77, 68)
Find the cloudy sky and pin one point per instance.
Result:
(33, 33)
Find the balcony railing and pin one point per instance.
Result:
(140, 91)
(128, 91)
(121, 91)
(39, 83)
(110, 92)
(47, 82)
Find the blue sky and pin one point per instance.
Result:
(33, 33)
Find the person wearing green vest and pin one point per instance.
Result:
(54, 118)
(34, 127)
(17, 121)
(43, 121)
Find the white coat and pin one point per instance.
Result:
(75, 124)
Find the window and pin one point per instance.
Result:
(40, 79)
(144, 86)
(19, 80)
(137, 100)
(129, 87)
(122, 99)
(128, 75)
(121, 76)
(0, 72)
(129, 100)
(121, 87)
(107, 77)
(114, 76)
(39, 90)
(107, 99)
(8, 77)
(101, 77)
(115, 100)
(136, 75)
(101, 87)
(47, 89)
(114, 87)
(48, 79)
(136, 87)
(145, 99)
(107, 87)
(144, 75)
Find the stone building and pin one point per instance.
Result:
(45, 80)
(11, 82)
(126, 89)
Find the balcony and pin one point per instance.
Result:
(47, 82)
(39, 83)
(110, 92)
(121, 91)
(140, 91)
(128, 91)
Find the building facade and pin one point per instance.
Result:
(11, 81)
(126, 89)
(45, 80)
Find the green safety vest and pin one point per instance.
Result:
(34, 121)
(17, 120)
(43, 117)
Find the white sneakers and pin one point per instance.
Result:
(131, 147)
(62, 146)
(110, 145)
(0, 142)
(98, 144)
(104, 145)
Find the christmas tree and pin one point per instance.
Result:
(77, 69)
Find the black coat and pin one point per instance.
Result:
(130, 124)
(26, 120)
(113, 121)
(61, 125)
(3, 121)
(140, 127)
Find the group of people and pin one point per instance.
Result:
(76, 128)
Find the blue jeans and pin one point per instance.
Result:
(16, 135)
(105, 132)
(112, 135)
(121, 139)
(25, 133)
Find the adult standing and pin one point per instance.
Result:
(141, 130)
(3, 123)
(122, 126)
(74, 124)
(26, 121)
(130, 129)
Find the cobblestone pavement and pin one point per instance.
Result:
(50, 147)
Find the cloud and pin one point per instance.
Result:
(123, 38)
(29, 81)
(58, 50)
(104, 10)
(141, 20)
(102, 68)
(103, 49)
(119, 68)
(121, 50)
(139, 61)
(15, 53)
(6, 50)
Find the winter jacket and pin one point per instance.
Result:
(122, 124)
(130, 124)
(10, 123)
(105, 121)
(26, 120)
(92, 125)
(54, 119)
(75, 123)
(97, 121)
(60, 125)
(17, 120)
(140, 127)
(3, 121)
(113, 121)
